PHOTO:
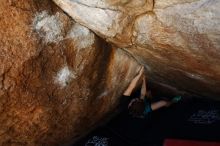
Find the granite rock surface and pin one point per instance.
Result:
(177, 41)
(58, 79)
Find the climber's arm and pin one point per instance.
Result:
(133, 83)
(143, 89)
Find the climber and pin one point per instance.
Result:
(141, 106)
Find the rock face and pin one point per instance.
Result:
(57, 78)
(177, 41)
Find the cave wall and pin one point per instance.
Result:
(57, 78)
(177, 41)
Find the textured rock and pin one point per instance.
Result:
(177, 41)
(57, 78)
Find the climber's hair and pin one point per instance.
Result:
(136, 107)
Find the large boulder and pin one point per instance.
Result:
(57, 78)
(177, 41)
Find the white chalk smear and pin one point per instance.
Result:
(105, 93)
(195, 76)
(48, 27)
(82, 36)
(64, 76)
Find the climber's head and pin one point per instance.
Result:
(136, 107)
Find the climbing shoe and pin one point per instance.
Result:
(176, 99)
